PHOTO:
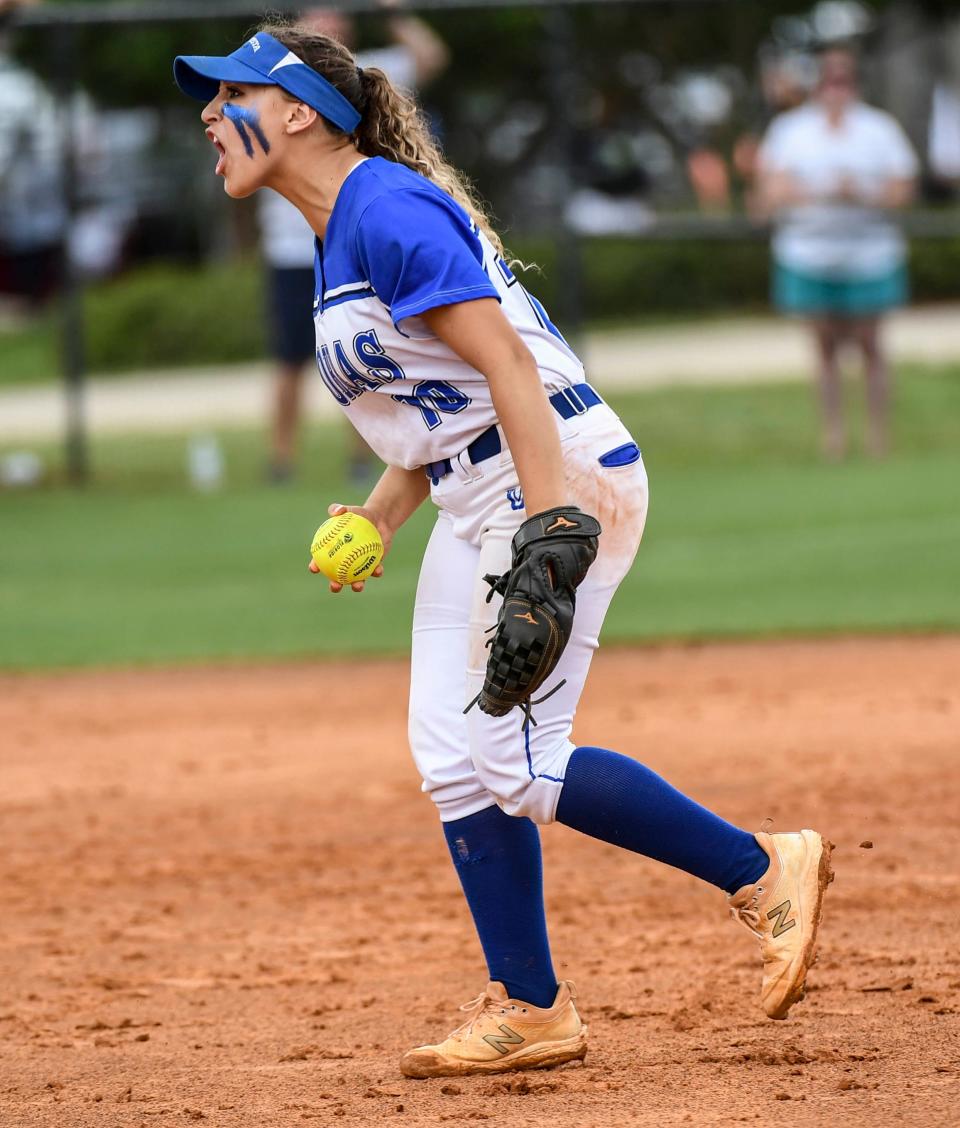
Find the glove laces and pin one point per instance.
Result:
(526, 705)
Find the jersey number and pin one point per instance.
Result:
(433, 398)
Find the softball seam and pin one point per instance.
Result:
(346, 562)
(334, 531)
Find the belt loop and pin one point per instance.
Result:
(468, 470)
(573, 397)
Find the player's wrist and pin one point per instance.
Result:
(537, 502)
(382, 511)
(382, 521)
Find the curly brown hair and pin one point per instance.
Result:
(391, 124)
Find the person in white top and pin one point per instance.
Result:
(416, 56)
(831, 173)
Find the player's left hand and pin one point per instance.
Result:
(335, 510)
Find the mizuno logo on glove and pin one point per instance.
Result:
(562, 523)
(528, 616)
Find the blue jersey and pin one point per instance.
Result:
(396, 246)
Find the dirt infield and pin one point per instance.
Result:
(222, 906)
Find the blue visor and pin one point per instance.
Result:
(265, 61)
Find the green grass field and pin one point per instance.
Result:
(749, 534)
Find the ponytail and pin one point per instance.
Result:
(392, 125)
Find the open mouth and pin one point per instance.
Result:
(221, 153)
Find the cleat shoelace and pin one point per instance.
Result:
(749, 916)
(482, 1005)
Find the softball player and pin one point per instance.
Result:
(456, 377)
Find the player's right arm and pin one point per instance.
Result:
(479, 333)
(395, 497)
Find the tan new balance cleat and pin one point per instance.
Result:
(783, 911)
(503, 1034)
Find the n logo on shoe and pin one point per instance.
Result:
(501, 1041)
(782, 924)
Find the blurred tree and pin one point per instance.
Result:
(130, 64)
(491, 106)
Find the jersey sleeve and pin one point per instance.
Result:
(420, 252)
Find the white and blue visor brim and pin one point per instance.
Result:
(199, 76)
(264, 61)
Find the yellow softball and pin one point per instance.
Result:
(347, 548)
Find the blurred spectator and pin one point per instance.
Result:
(943, 139)
(786, 79)
(416, 56)
(33, 221)
(702, 108)
(709, 179)
(831, 172)
(111, 186)
(611, 184)
(8, 7)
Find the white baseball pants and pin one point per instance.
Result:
(471, 762)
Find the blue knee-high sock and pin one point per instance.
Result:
(497, 858)
(618, 800)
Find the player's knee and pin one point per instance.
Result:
(523, 778)
(508, 793)
(445, 767)
(518, 794)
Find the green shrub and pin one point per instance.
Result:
(634, 277)
(163, 316)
